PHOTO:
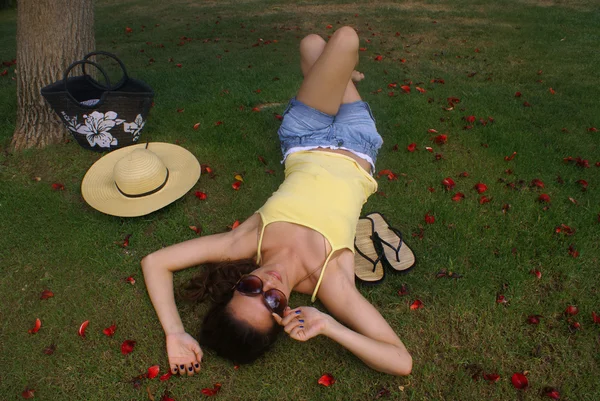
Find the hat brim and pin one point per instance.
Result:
(99, 190)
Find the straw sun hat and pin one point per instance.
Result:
(140, 179)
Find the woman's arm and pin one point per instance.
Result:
(158, 268)
(366, 334)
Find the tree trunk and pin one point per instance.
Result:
(51, 34)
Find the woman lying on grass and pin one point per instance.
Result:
(301, 240)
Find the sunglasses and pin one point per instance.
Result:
(252, 286)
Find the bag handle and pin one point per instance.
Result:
(125, 77)
(66, 76)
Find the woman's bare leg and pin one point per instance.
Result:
(311, 48)
(326, 82)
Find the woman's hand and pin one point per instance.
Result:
(304, 322)
(184, 353)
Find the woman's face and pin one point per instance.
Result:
(252, 309)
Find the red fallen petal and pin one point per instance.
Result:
(130, 280)
(403, 60)
(390, 94)
(501, 299)
(420, 89)
(363, 49)
(552, 91)
(269, 171)
(544, 198)
(463, 174)
(127, 347)
(81, 331)
(27, 393)
(405, 88)
(429, 219)
(534, 319)
(200, 195)
(235, 224)
(536, 183)
(128, 30)
(262, 160)
(571, 310)
(417, 304)
(166, 376)
(278, 117)
(595, 318)
(256, 109)
(58, 187)
(551, 393)
(480, 187)
(448, 183)
(403, 290)
(218, 122)
(583, 183)
(470, 119)
(592, 129)
(536, 273)
(458, 197)
(153, 371)
(574, 326)
(384, 172)
(509, 158)
(196, 126)
(573, 252)
(329, 26)
(236, 185)
(4, 73)
(110, 331)
(326, 380)
(519, 381)
(526, 104)
(46, 294)
(491, 377)
(441, 139)
(431, 189)
(195, 229)
(179, 65)
(379, 58)
(36, 327)
(180, 110)
(392, 176)
(212, 391)
(484, 199)
(392, 85)
(429, 149)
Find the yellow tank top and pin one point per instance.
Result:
(323, 191)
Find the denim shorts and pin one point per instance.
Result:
(352, 128)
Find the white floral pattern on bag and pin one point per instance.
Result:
(97, 126)
(135, 127)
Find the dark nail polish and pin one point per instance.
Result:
(301, 327)
(298, 312)
(301, 320)
(175, 369)
(181, 367)
(190, 368)
(197, 366)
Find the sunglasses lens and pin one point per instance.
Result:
(276, 301)
(250, 285)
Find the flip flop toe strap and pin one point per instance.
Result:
(379, 254)
(396, 250)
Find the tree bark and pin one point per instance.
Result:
(51, 34)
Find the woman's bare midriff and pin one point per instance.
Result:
(361, 162)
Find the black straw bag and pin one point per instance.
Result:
(100, 117)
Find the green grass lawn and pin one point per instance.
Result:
(235, 56)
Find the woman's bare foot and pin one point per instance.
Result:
(357, 76)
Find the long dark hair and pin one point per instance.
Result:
(231, 338)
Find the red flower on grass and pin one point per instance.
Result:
(441, 139)
(551, 392)
(595, 318)
(57, 186)
(417, 304)
(448, 183)
(429, 218)
(127, 347)
(166, 376)
(519, 381)
(212, 391)
(110, 331)
(378, 58)
(153, 371)
(545, 198)
(411, 147)
(405, 88)
(458, 197)
(36, 327)
(326, 380)
(200, 195)
(28, 393)
(480, 187)
(81, 331)
(46, 294)
(571, 310)
(491, 377)
(534, 319)
(236, 185)
(484, 199)
(536, 183)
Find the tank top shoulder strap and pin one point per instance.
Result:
(260, 238)
(314, 295)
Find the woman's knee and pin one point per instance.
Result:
(312, 42)
(346, 37)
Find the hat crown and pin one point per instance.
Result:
(140, 172)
